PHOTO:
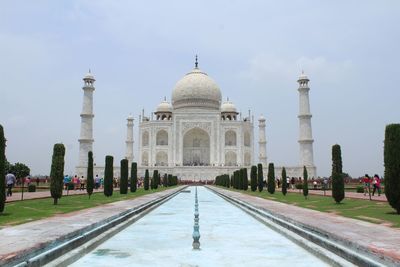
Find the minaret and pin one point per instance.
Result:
(86, 136)
(129, 140)
(305, 132)
(262, 142)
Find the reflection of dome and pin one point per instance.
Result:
(228, 106)
(164, 106)
(196, 90)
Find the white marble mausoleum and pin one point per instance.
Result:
(197, 136)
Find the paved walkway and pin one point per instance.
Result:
(26, 238)
(46, 194)
(380, 240)
(355, 195)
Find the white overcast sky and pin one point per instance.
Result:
(254, 50)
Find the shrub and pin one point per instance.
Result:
(146, 180)
(165, 180)
(305, 182)
(70, 186)
(108, 176)
(360, 189)
(57, 172)
(337, 174)
(271, 178)
(90, 179)
(123, 188)
(133, 177)
(2, 169)
(260, 176)
(31, 188)
(299, 186)
(391, 157)
(284, 182)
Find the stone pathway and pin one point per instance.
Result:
(380, 240)
(355, 195)
(46, 194)
(25, 238)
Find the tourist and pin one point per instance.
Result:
(66, 181)
(28, 180)
(377, 184)
(10, 181)
(37, 181)
(97, 182)
(366, 181)
(315, 184)
(82, 182)
(292, 182)
(75, 182)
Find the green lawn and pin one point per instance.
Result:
(29, 210)
(371, 211)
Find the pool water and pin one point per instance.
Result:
(229, 237)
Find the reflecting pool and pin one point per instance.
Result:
(229, 237)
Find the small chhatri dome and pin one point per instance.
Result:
(196, 90)
(303, 76)
(89, 76)
(130, 117)
(228, 106)
(261, 118)
(164, 106)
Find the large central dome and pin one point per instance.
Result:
(196, 90)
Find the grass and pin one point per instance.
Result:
(371, 211)
(19, 212)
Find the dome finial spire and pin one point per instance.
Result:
(196, 63)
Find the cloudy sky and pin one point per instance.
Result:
(255, 51)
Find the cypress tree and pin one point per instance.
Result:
(284, 182)
(305, 182)
(337, 174)
(169, 179)
(245, 180)
(123, 188)
(57, 172)
(391, 158)
(90, 179)
(154, 181)
(240, 175)
(165, 180)
(2, 169)
(253, 178)
(146, 180)
(260, 176)
(133, 177)
(271, 178)
(108, 176)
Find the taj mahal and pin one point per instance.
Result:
(197, 136)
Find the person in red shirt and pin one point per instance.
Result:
(367, 182)
(377, 184)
